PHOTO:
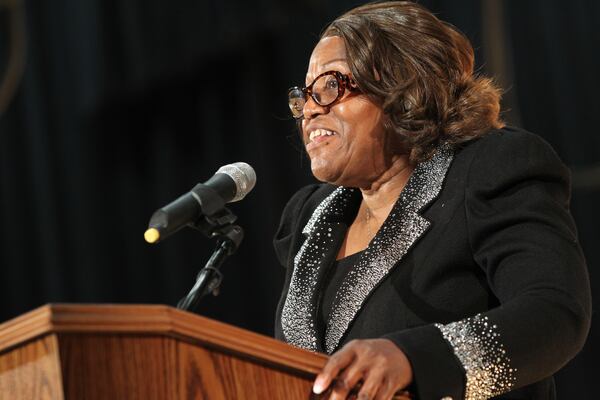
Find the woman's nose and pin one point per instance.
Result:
(312, 108)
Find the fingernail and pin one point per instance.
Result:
(318, 387)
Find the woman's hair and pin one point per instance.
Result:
(420, 70)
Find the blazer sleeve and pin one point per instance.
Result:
(523, 237)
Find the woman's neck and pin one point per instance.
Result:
(380, 197)
(378, 200)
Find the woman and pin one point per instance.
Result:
(440, 255)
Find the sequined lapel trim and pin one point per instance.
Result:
(399, 232)
(476, 343)
(401, 229)
(299, 309)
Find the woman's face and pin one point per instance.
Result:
(355, 154)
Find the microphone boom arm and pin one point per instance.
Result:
(209, 278)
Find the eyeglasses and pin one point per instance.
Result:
(325, 90)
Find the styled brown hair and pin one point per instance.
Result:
(420, 70)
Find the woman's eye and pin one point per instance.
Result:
(332, 84)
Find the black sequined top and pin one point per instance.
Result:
(338, 271)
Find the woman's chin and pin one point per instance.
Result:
(334, 176)
(324, 173)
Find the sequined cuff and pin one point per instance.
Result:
(476, 344)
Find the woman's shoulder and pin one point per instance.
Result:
(307, 197)
(510, 152)
(295, 215)
(509, 139)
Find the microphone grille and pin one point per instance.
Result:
(244, 177)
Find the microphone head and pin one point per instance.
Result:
(244, 177)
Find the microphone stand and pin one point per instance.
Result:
(229, 236)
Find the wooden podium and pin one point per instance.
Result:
(145, 352)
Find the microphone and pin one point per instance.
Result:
(230, 183)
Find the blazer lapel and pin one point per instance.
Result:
(324, 233)
(403, 227)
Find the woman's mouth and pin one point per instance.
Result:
(319, 136)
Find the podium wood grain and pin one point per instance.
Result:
(145, 352)
(32, 372)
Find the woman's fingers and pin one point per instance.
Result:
(387, 389)
(346, 381)
(378, 364)
(335, 364)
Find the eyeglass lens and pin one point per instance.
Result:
(325, 90)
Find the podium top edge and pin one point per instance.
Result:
(154, 319)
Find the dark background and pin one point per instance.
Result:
(121, 106)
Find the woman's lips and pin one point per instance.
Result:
(319, 140)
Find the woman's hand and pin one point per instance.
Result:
(378, 364)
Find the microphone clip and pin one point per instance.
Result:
(218, 226)
(215, 224)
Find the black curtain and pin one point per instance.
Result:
(123, 106)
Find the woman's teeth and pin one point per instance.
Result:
(320, 132)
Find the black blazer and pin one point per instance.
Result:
(477, 274)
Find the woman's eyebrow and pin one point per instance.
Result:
(328, 63)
